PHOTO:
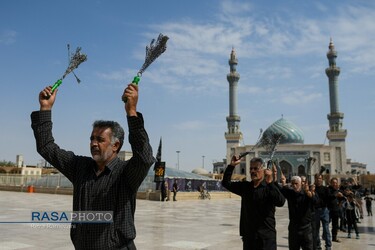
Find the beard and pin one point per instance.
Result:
(255, 177)
(101, 157)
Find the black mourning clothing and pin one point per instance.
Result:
(115, 188)
(257, 220)
(300, 208)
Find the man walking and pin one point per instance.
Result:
(322, 213)
(258, 201)
(300, 205)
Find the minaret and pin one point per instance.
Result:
(336, 134)
(234, 135)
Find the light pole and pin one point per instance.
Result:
(178, 159)
(203, 161)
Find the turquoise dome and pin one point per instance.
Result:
(291, 133)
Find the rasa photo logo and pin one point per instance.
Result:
(71, 217)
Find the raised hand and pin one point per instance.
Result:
(47, 98)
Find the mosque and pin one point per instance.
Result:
(293, 156)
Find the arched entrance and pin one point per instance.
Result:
(301, 170)
(287, 170)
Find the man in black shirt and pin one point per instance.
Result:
(259, 198)
(334, 199)
(300, 205)
(322, 213)
(102, 182)
(175, 190)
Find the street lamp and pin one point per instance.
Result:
(178, 159)
(203, 161)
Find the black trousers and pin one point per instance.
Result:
(256, 243)
(300, 238)
(129, 246)
(334, 217)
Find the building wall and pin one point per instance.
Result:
(294, 157)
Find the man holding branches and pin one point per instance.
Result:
(101, 182)
(259, 197)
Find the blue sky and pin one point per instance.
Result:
(281, 47)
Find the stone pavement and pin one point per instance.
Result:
(194, 224)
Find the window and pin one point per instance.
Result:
(327, 157)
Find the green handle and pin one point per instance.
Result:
(136, 80)
(56, 85)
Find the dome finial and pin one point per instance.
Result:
(331, 46)
(233, 54)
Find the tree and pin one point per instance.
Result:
(7, 163)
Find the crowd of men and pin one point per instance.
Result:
(332, 205)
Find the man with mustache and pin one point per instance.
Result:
(102, 182)
(258, 201)
(300, 205)
(321, 213)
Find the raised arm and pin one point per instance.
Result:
(41, 123)
(142, 159)
(234, 187)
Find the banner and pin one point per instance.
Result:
(159, 169)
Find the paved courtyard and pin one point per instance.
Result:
(198, 224)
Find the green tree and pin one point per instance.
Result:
(7, 163)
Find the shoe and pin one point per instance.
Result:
(357, 237)
(349, 236)
(337, 240)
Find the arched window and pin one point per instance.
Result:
(301, 171)
(287, 170)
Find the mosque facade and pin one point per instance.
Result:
(293, 156)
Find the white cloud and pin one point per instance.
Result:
(8, 37)
(297, 97)
(353, 35)
(118, 75)
(231, 8)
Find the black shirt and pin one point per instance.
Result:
(300, 207)
(257, 206)
(322, 193)
(115, 189)
(333, 201)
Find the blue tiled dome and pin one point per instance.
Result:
(291, 133)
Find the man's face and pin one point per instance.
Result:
(101, 146)
(319, 181)
(335, 184)
(347, 192)
(296, 185)
(256, 171)
(303, 180)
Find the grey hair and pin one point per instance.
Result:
(257, 159)
(296, 178)
(118, 133)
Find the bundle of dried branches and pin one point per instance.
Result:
(153, 51)
(255, 145)
(76, 59)
(269, 142)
